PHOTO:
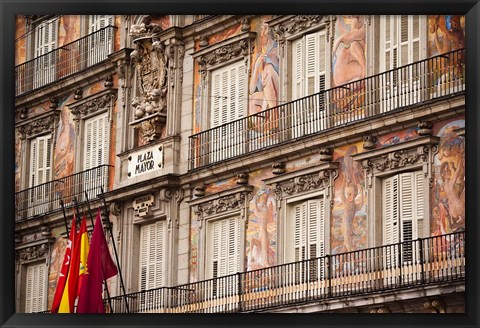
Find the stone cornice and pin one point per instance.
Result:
(285, 27)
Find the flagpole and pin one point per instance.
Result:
(104, 280)
(115, 251)
(77, 211)
(64, 216)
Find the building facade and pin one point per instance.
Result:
(246, 163)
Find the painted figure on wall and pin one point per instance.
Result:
(263, 86)
(349, 214)
(349, 62)
(348, 52)
(64, 152)
(448, 211)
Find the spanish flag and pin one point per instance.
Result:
(62, 277)
(84, 248)
(70, 292)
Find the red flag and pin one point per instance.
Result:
(100, 267)
(62, 278)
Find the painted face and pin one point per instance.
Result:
(350, 193)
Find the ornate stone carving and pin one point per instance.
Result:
(246, 24)
(222, 204)
(369, 142)
(436, 305)
(53, 103)
(203, 41)
(318, 181)
(242, 179)
(78, 94)
(294, 25)
(425, 128)
(199, 191)
(92, 105)
(224, 54)
(399, 159)
(326, 154)
(32, 253)
(40, 125)
(24, 113)
(150, 95)
(108, 82)
(278, 168)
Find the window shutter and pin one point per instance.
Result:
(390, 210)
(35, 288)
(311, 45)
(406, 206)
(298, 54)
(300, 213)
(152, 255)
(419, 203)
(40, 160)
(96, 141)
(225, 245)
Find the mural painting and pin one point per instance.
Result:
(64, 150)
(446, 33)
(448, 194)
(349, 63)
(349, 215)
(56, 261)
(20, 40)
(18, 163)
(397, 137)
(263, 85)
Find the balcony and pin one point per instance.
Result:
(64, 61)
(408, 265)
(46, 198)
(413, 84)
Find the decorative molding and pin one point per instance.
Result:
(39, 125)
(146, 29)
(235, 199)
(242, 179)
(326, 154)
(369, 142)
(417, 152)
(78, 94)
(32, 253)
(92, 104)
(108, 81)
(278, 168)
(437, 305)
(227, 50)
(425, 128)
(319, 177)
(199, 191)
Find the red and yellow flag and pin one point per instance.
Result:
(62, 277)
(84, 248)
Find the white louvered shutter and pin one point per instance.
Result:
(97, 138)
(419, 203)
(300, 232)
(40, 173)
(406, 200)
(390, 210)
(152, 255)
(228, 103)
(101, 43)
(35, 288)
(225, 245)
(46, 34)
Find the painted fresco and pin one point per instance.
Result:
(397, 137)
(221, 186)
(225, 34)
(261, 236)
(193, 265)
(56, 261)
(18, 161)
(69, 29)
(349, 215)
(448, 194)
(264, 85)
(445, 33)
(348, 63)
(64, 154)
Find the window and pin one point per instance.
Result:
(309, 71)
(101, 44)
(402, 43)
(45, 41)
(403, 211)
(228, 103)
(306, 237)
(152, 255)
(96, 141)
(35, 292)
(223, 253)
(40, 173)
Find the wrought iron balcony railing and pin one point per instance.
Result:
(411, 264)
(45, 198)
(64, 61)
(408, 85)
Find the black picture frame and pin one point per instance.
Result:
(10, 8)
